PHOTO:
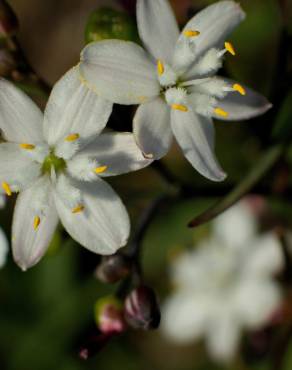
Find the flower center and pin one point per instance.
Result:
(52, 160)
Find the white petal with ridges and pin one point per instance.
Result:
(158, 28)
(215, 23)
(118, 152)
(103, 226)
(21, 121)
(4, 248)
(30, 244)
(16, 167)
(197, 147)
(74, 108)
(240, 107)
(120, 71)
(152, 129)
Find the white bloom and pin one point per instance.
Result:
(56, 161)
(225, 285)
(174, 80)
(3, 240)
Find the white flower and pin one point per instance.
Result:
(3, 240)
(225, 285)
(175, 81)
(56, 162)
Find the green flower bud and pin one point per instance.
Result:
(107, 23)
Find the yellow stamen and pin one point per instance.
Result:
(7, 188)
(100, 169)
(180, 107)
(72, 137)
(160, 67)
(27, 146)
(36, 222)
(221, 112)
(229, 47)
(78, 209)
(191, 33)
(239, 88)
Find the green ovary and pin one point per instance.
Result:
(53, 161)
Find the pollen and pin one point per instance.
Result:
(160, 67)
(78, 209)
(239, 89)
(27, 146)
(221, 112)
(100, 169)
(191, 33)
(179, 107)
(6, 188)
(229, 47)
(72, 137)
(36, 222)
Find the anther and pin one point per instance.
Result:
(160, 68)
(179, 107)
(221, 112)
(100, 169)
(72, 137)
(239, 89)
(191, 33)
(78, 209)
(36, 222)
(6, 188)
(229, 47)
(27, 146)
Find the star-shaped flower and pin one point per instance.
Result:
(174, 81)
(56, 161)
(224, 285)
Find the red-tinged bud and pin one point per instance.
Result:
(113, 268)
(8, 20)
(93, 346)
(109, 316)
(142, 309)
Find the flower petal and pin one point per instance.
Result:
(240, 107)
(119, 71)
(185, 316)
(16, 168)
(20, 118)
(235, 227)
(29, 243)
(158, 28)
(257, 300)
(265, 256)
(118, 152)
(152, 128)
(223, 336)
(74, 108)
(103, 227)
(214, 23)
(4, 247)
(190, 133)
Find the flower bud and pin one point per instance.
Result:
(109, 317)
(8, 21)
(142, 309)
(107, 23)
(113, 268)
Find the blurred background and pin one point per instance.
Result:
(46, 314)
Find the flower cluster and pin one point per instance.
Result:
(225, 284)
(57, 160)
